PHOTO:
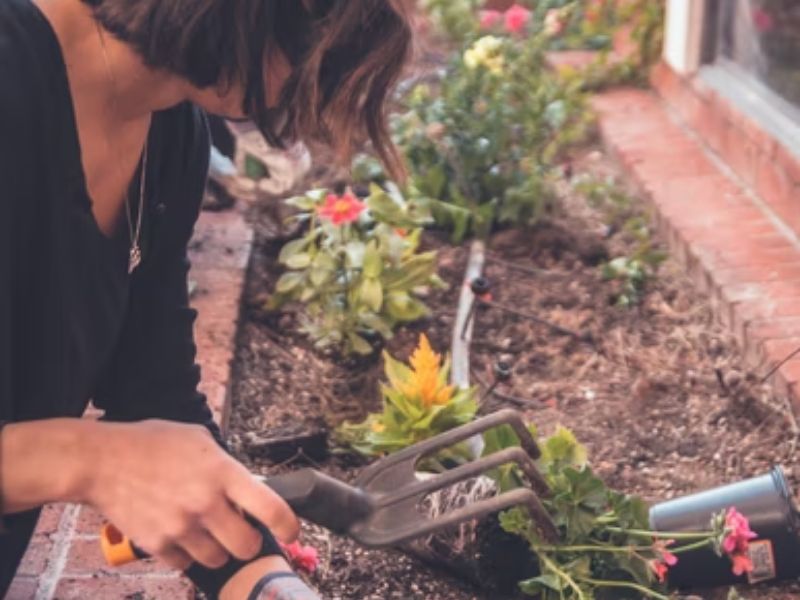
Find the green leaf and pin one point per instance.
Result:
(396, 372)
(359, 344)
(320, 277)
(291, 249)
(305, 203)
(373, 262)
(289, 282)
(355, 251)
(562, 449)
(298, 261)
(371, 293)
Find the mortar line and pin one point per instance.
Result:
(785, 230)
(57, 558)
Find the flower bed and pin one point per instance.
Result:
(661, 400)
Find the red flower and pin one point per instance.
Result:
(667, 557)
(341, 209)
(302, 557)
(517, 18)
(660, 569)
(736, 542)
(489, 18)
(741, 564)
(763, 21)
(737, 533)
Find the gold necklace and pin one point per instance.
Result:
(134, 231)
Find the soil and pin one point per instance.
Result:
(658, 392)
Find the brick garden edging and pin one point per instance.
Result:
(737, 250)
(64, 561)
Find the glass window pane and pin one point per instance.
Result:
(763, 38)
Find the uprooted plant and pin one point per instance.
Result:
(357, 269)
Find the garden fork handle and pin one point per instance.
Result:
(321, 499)
(312, 495)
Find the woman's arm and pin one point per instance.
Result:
(168, 486)
(44, 461)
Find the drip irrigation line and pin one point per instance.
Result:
(523, 402)
(779, 365)
(536, 319)
(490, 256)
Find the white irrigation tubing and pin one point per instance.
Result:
(462, 331)
(462, 336)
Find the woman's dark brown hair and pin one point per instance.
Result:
(346, 56)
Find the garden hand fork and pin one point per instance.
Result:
(384, 506)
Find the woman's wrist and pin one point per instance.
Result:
(48, 461)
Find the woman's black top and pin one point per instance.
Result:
(74, 325)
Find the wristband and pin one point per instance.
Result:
(211, 581)
(282, 585)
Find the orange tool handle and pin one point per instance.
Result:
(117, 549)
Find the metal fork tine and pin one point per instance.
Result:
(514, 455)
(482, 508)
(414, 453)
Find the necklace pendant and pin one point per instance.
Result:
(134, 258)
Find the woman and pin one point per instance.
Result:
(103, 154)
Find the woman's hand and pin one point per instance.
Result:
(177, 495)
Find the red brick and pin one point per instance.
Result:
(116, 588)
(22, 588)
(86, 558)
(37, 555)
(50, 518)
(89, 521)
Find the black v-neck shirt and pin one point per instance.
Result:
(74, 325)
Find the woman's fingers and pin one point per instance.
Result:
(204, 549)
(263, 504)
(176, 558)
(230, 529)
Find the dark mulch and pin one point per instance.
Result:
(660, 397)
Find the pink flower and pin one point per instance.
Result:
(490, 18)
(660, 569)
(741, 564)
(302, 557)
(517, 18)
(554, 22)
(763, 21)
(341, 209)
(736, 542)
(737, 532)
(667, 557)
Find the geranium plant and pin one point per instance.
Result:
(418, 403)
(484, 140)
(607, 549)
(357, 269)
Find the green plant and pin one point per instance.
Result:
(607, 549)
(357, 267)
(453, 18)
(417, 404)
(633, 271)
(480, 147)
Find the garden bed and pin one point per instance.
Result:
(657, 392)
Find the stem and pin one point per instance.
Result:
(689, 547)
(626, 584)
(565, 576)
(612, 549)
(675, 535)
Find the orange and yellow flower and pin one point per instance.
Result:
(341, 209)
(426, 381)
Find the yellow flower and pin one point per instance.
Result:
(378, 427)
(425, 385)
(487, 52)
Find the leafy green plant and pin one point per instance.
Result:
(480, 147)
(357, 267)
(417, 404)
(455, 19)
(632, 272)
(606, 548)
